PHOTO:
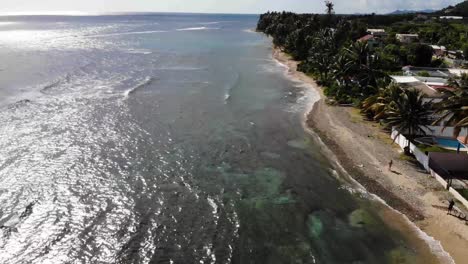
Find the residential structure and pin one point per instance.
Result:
(434, 72)
(438, 51)
(407, 38)
(377, 32)
(431, 87)
(452, 17)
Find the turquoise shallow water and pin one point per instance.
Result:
(168, 138)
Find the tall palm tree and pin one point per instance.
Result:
(323, 51)
(377, 105)
(361, 64)
(330, 7)
(454, 109)
(409, 114)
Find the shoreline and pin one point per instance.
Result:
(416, 199)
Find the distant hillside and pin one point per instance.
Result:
(401, 12)
(459, 10)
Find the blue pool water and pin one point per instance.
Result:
(449, 143)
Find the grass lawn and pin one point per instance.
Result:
(427, 148)
(463, 192)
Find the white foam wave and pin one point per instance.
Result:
(231, 86)
(180, 68)
(127, 33)
(139, 51)
(216, 22)
(196, 29)
(7, 23)
(144, 83)
(210, 23)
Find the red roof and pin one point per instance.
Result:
(441, 87)
(463, 139)
(366, 38)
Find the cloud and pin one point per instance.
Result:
(384, 6)
(226, 6)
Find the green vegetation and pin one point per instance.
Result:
(408, 112)
(356, 71)
(353, 70)
(460, 9)
(426, 148)
(463, 192)
(424, 74)
(454, 109)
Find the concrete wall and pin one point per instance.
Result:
(456, 194)
(402, 141)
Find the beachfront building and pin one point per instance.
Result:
(434, 72)
(431, 87)
(438, 51)
(377, 32)
(371, 41)
(455, 54)
(373, 38)
(407, 38)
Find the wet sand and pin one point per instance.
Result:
(363, 150)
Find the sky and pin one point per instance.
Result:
(212, 6)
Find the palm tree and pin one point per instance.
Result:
(409, 114)
(361, 64)
(329, 9)
(322, 52)
(454, 109)
(377, 105)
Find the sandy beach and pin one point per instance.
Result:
(364, 150)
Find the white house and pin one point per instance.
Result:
(407, 38)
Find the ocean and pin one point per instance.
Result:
(170, 138)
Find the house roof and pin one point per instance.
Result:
(463, 139)
(366, 38)
(449, 165)
(408, 35)
(404, 79)
(424, 88)
(458, 72)
(380, 30)
(437, 47)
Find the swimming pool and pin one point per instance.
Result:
(449, 143)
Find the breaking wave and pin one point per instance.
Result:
(196, 28)
(230, 87)
(126, 33)
(148, 81)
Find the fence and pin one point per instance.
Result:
(403, 142)
(455, 193)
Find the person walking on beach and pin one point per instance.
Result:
(390, 165)
(450, 207)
